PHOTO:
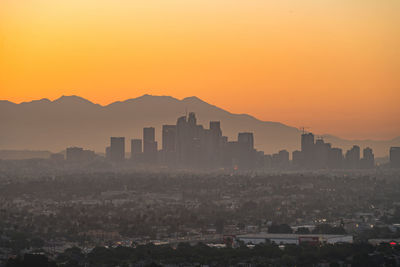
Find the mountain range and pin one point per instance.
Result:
(75, 121)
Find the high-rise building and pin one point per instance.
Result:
(307, 148)
(169, 138)
(335, 158)
(148, 140)
(247, 153)
(307, 142)
(231, 155)
(246, 141)
(149, 144)
(182, 139)
(368, 160)
(213, 144)
(192, 119)
(215, 127)
(395, 157)
(297, 159)
(117, 149)
(215, 134)
(168, 155)
(353, 158)
(189, 140)
(283, 157)
(260, 160)
(136, 148)
(321, 154)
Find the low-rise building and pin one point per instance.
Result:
(295, 239)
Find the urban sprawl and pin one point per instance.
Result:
(201, 200)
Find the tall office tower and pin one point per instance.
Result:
(148, 137)
(136, 147)
(353, 158)
(321, 154)
(117, 149)
(246, 150)
(192, 119)
(260, 162)
(231, 155)
(395, 157)
(193, 138)
(169, 145)
(149, 144)
(307, 141)
(283, 156)
(168, 138)
(182, 139)
(215, 127)
(188, 142)
(246, 140)
(297, 159)
(368, 160)
(213, 144)
(307, 148)
(335, 158)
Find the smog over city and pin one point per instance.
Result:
(199, 133)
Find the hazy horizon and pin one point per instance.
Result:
(239, 113)
(333, 66)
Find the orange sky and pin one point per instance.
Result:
(332, 65)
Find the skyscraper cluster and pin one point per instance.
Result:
(316, 154)
(188, 144)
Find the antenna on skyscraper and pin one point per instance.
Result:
(303, 129)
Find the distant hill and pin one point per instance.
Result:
(24, 154)
(75, 121)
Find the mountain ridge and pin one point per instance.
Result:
(74, 120)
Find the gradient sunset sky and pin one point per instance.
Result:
(332, 65)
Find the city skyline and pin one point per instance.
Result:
(188, 145)
(93, 123)
(333, 65)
